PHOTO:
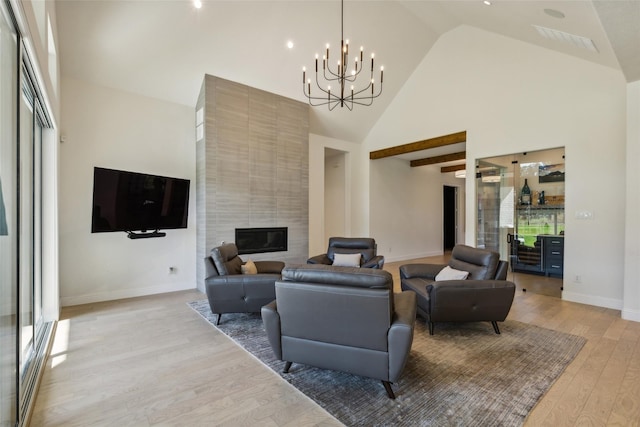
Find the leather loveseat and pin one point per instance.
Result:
(230, 291)
(485, 295)
(341, 318)
(365, 246)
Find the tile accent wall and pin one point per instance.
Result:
(252, 168)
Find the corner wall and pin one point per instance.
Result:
(631, 308)
(513, 97)
(114, 129)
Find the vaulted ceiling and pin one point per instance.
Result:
(162, 49)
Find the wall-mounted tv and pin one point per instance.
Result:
(130, 201)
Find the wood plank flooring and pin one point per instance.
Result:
(152, 361)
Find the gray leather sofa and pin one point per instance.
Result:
(366, 246)
(342, 318)
(485, 295)
(230, 291)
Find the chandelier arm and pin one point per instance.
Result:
(371, 97)
(331, 73)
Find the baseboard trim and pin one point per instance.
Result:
(615, 304)
(633, 315)
(407, 257)
(123, 293)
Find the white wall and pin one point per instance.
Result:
(631, 308)
(108, 128)
(407, 207)
(513, 97)
(335, 195)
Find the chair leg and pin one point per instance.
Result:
(218, 320)
(287, 366)
(430, 328)
(495, 327)
(387, 387)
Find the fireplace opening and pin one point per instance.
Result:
(259, 240)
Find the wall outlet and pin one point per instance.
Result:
(173, 270)
(577, 278)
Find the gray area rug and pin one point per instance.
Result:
(464, 375)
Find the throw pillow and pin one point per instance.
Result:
(249, 267)
(449, 273)
(346, 260)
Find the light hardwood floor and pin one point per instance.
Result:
(154, 361)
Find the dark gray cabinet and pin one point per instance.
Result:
(553, 255)
(546, 256)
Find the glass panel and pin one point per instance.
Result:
(26, 231)
(37, 228)
(8, 220)
(495, 203)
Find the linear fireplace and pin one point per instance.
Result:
(258, 240)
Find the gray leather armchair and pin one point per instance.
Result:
(230, 291)
(485, 295)
(366, 246)
(341, 318)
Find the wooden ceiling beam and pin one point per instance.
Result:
(426, 144)
(439, 159)
(453, 168)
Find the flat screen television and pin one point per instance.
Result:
(130, 201)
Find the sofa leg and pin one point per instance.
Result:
(430, 328)
(495, 327)
(287, 366)
(218, 320)
(387, 387)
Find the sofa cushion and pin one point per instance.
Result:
(346, 260)
(365, 246)
(449, 273)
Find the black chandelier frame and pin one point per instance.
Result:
(343, 76)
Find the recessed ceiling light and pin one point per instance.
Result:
(197, 4)
(487, 2)
(290, 44)
(554, 13)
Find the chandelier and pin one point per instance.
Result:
(345, 94)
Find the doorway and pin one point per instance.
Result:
(449, 217)
(520, 213)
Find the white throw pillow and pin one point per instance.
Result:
(346, 260)
(449, 273)
(249, 267)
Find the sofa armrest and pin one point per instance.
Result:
(470, 300)
(423, 271)
(269, 267)
(320, 259)
(375, 262)
(400, 335)
(271, 320)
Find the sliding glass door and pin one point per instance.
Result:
(23, 332)
(8, 218)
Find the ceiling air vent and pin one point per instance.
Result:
(581, 42)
